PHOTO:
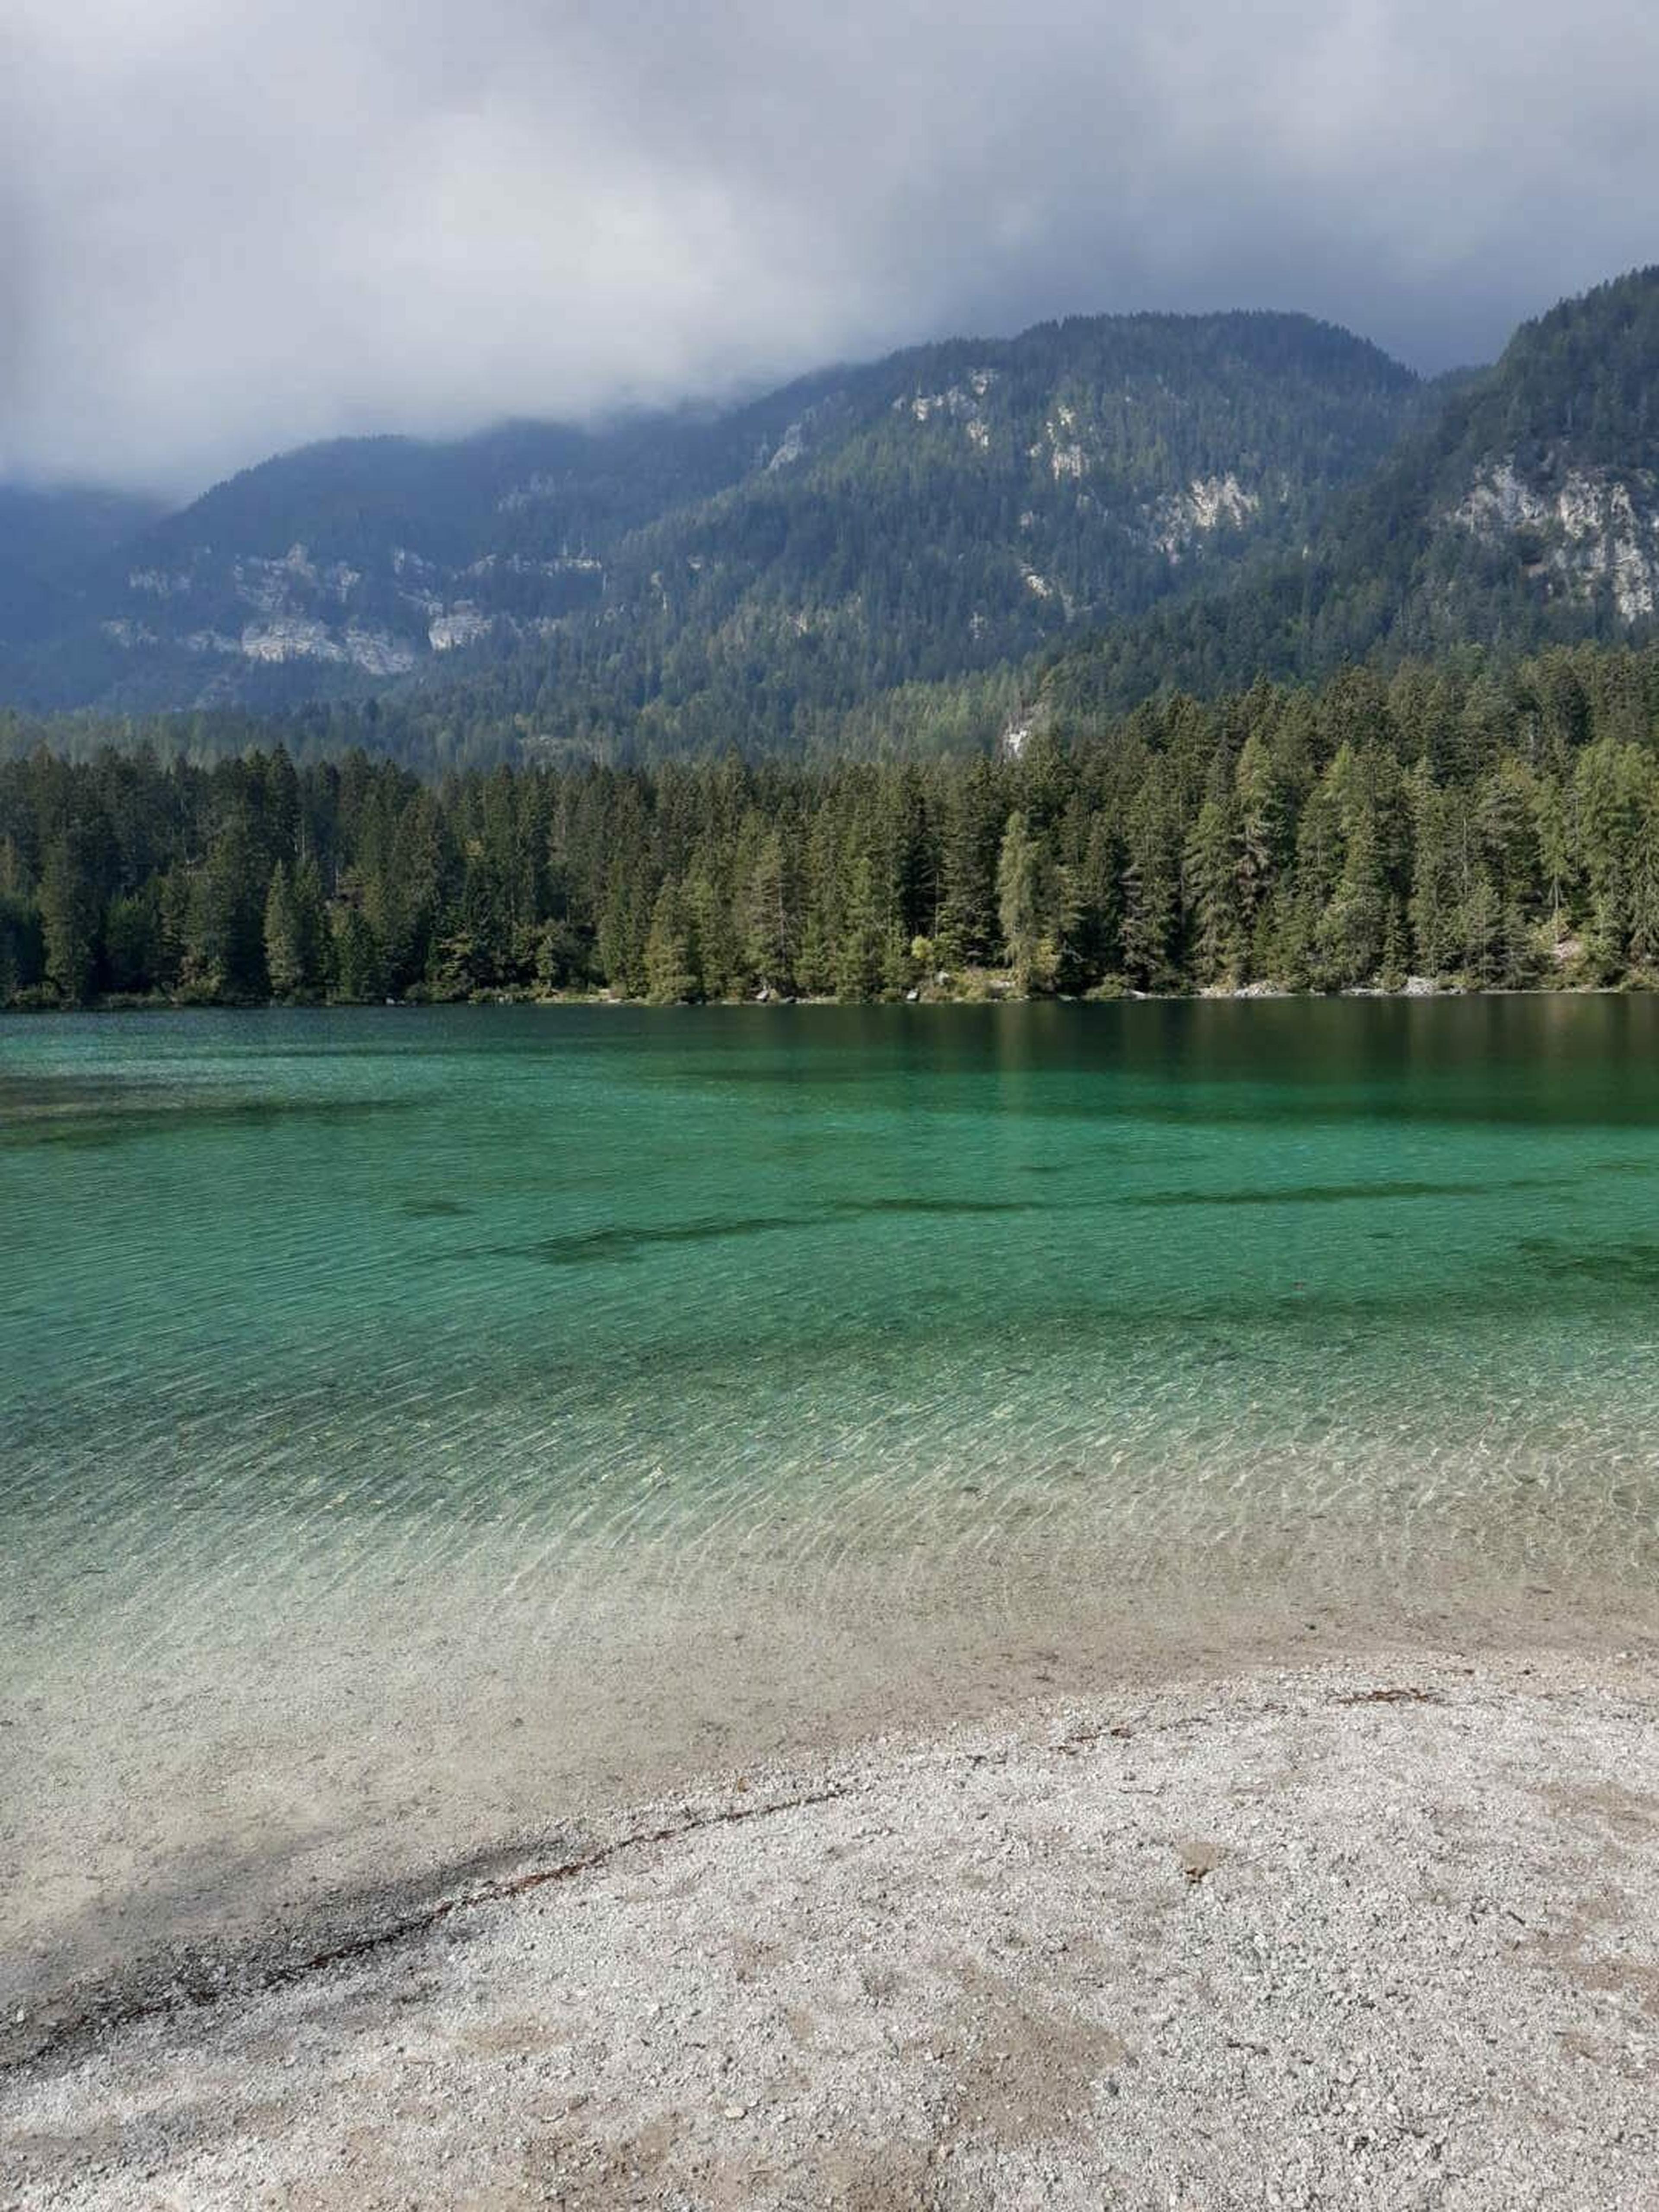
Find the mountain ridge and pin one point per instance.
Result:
(947, 509)
(904, 554)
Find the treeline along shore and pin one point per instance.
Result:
(1477, 828)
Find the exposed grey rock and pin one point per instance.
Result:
(1596, 527)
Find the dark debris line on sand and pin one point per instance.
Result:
(1380, 1936)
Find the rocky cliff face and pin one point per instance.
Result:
(1580, 532)
(382, 618)
(1207, 503)
(296, 608)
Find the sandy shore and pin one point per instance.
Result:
(1380, 1934)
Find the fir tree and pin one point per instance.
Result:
(1210, 875)
(1017, 901)
(284, 955)
(671, 974)
(69, 918)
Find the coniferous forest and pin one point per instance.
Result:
(1475, 829)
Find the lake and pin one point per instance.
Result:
(415, 1425)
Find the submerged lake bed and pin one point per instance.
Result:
(419, 1426)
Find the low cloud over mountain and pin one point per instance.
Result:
(227, 229)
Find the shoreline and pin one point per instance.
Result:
(171, 1832)
(1220, 1910)
(1246, 994)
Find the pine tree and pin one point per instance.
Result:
(860, 955)
(224, 947)
(1091, 946)
(1436, 928)
(771, 917)
(69, 918)
(671, 974)
(624, 924)
(1016, 900)
(1553, 842)
(1152, 886)
(284, 956)
(1349, 937)
(1210, 871)
(1391, 976)
(22, 953)
(1609, 787)
(1484, 939)
(1267, 823)
(311, 926)
(966, 929)
(356, 958)
(898, 961)
(404, 906)
(719, 962)
(172, 925)
(131, 942)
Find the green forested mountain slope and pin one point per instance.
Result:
(675, 583)
(1523, 510)
(913, 556)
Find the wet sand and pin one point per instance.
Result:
(1378, 1930)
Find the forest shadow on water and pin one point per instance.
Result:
(101, 1111)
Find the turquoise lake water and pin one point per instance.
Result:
(436, 1349)
(287, 1294)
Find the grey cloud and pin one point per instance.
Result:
(229, 225)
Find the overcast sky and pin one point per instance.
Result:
(226, 226)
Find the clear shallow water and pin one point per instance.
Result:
(288, 1296)
(313, 1327)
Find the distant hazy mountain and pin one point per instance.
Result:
(52, 544)
(950, 509)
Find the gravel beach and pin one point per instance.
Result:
(1380, 1933)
